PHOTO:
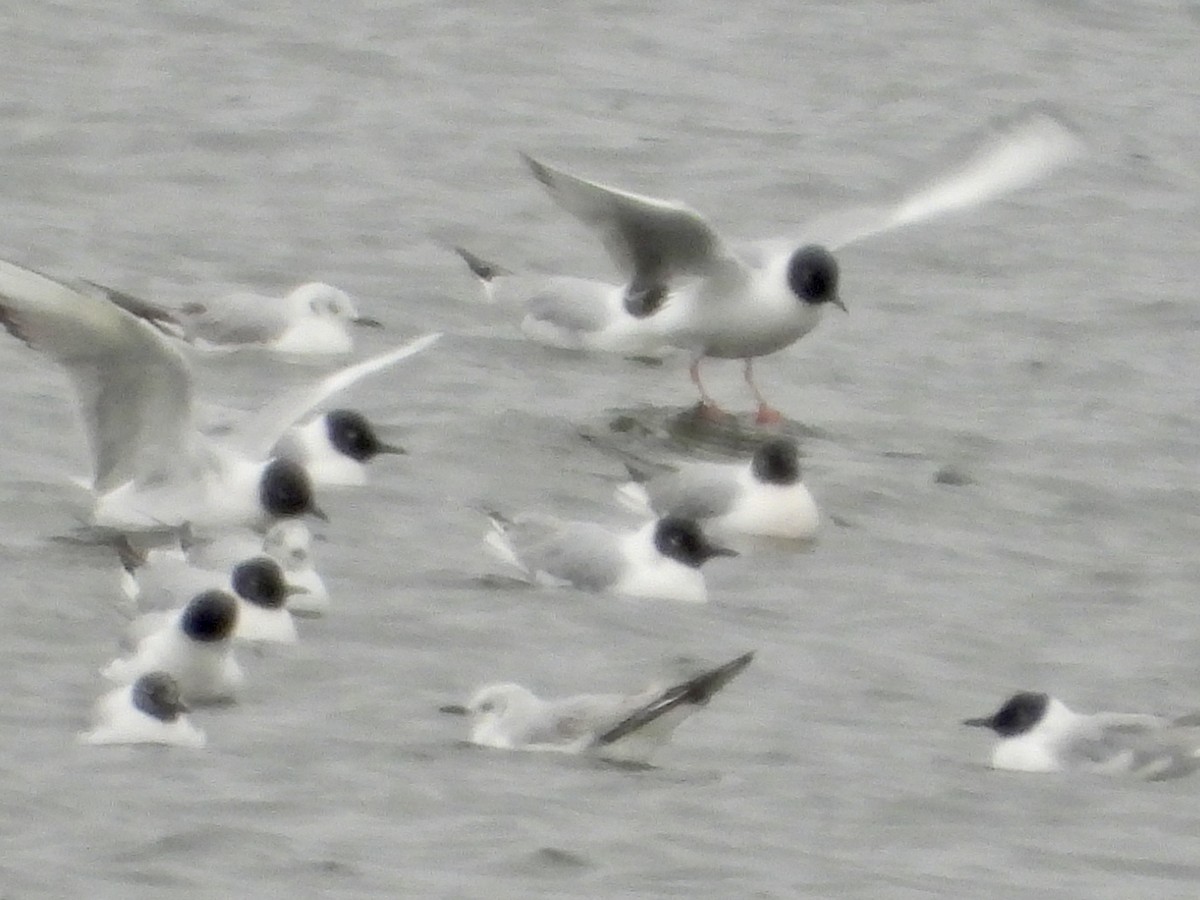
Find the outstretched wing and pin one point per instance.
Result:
(693, 692)
(134, 386)
(164, 319)
(1009, 156)
(264, 428)
(651, 241)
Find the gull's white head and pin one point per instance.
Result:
(499, 701)
(499, 714)
(288, 543)
(324, 301)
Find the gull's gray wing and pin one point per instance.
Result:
(1144, 746)
(241, 317)
(260, 431)
(587, 555)
(164, 319)
(695, 691)
(651, 241)
(134, 386)
(694, 491)
(575, 720)
(1009, 155)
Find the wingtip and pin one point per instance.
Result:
(636, 475)
(483, 269)
(1052, 126)
(159, 316)
(540, 170)
(131, 558)
(497, 518)
(712, 681)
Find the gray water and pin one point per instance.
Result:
(1041, 350)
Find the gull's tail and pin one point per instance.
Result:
(633, 495)
(500, 546)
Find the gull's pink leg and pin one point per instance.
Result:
(708, 407)
(766, 414)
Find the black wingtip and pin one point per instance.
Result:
(694, 692)
(540, 171)
(131, 558)
(156, 315)
(9, 320)
(482, 268)
(187, 537)
(712, 681)
(493, 514)
(636, 475)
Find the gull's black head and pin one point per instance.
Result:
(260, 581)
(776, 462)
(682, 540)
(352, 435)
(157, 695)
(1019, 714)
(285, 490)
(210, 616)
(812, 275)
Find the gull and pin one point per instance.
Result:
(659, 560)
(334, 447)
(311, 319)
(1038, 733)
(628, 728)
(157, 583)
(714, 300)
(149, 711)
(152, 467)
(288, 542)
(195, 647)
(568, 313)
(762, 496)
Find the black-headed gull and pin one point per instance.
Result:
(714, 300)
(761, 496)
(288, 542)
(658, 560)
(148, 711)
(1038, 733)
(334, 447)
(195, 647)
